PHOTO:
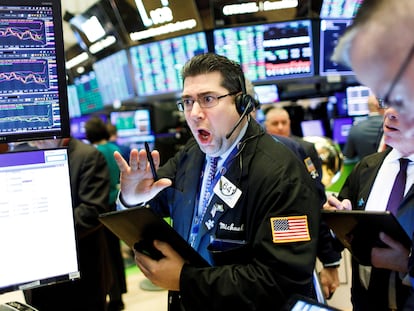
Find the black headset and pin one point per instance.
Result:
(245, 103)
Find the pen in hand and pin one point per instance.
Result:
(151, 162)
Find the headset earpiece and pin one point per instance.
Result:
(245, 103)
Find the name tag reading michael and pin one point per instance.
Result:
(226, 191)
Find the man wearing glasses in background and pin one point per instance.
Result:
(379, 47)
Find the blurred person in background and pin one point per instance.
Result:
(98, 135)
(364, 137)
(113, 137)
(277, 122)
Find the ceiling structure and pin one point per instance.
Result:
(79, 6)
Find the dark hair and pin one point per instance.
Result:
(230, 71)
(112, 130)
(95, 130)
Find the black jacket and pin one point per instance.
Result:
(251, 271)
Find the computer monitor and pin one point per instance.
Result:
(357, 100)
(132, 122)
(157, 65)
(340, 9)
(312, 128)
(89, 95)
(270, 52)
(341, 104)
(114, 78)
(36, 220)
(133, 127)
(33, 94)
(73, 101)
(266, 94)
(340, 129)
(330, 32)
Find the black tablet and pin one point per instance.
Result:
(138, 227)
(301, 303)
(359, 230)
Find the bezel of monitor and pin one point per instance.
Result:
(291, 41)
(42, 112)
(330, 32)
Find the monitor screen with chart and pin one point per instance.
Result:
(270, 52)
(157, 65)
(33, 93)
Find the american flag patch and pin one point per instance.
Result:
(290, 229)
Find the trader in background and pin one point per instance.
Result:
(255, 220)
(364, 137)
(277, 122)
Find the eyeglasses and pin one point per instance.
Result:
(205, 101)
(386, 102)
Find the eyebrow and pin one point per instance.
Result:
(199, 94)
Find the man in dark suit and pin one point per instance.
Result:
(327, 252)
(385, 285)
(89, 180)
(364, 137)
(278, 123)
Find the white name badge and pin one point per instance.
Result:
(226, 191)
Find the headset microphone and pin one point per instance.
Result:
(237, 123)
